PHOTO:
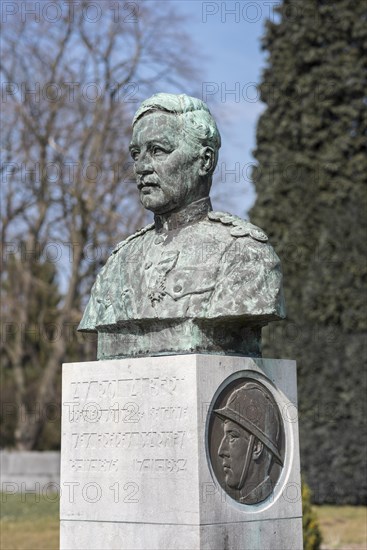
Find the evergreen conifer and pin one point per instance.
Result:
(310, 181)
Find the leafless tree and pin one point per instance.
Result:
(70, 81)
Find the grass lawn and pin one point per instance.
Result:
(343, 527)
(31, 525)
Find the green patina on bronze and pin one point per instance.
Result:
(195, 281)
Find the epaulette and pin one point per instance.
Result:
(239, 227)
(133, 236)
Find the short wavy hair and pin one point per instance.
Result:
(197, 122)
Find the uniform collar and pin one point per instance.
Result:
(191, 213)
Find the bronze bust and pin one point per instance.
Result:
(194, 281)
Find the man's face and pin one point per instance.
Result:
(232, 451)
(166, 166)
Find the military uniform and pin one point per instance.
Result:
(195, 265)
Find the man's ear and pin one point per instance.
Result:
(207, 158)
(257, 449)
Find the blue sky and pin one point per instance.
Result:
(228, 34)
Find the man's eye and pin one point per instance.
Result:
(157, 151)
(134, 155)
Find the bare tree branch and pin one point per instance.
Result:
(72, 89)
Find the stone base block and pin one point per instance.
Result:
(149, 461)
(236, 536)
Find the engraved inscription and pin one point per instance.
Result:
(93, 412)
(125, 387)
(163, 465)
(93, 465)
(168, 413)
(127, 427)
(128, 439)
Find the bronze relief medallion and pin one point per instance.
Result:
(246, 440)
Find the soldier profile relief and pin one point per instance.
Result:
(195, 280)
(246, 441)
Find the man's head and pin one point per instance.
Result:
(175, 147)
(234, 450)
(251, 432)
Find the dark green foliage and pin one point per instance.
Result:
(311, 530)
(311, 189)
(35, 338)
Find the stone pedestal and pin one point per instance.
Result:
(136, 465)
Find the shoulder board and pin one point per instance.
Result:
(238, 226)
(133, 236)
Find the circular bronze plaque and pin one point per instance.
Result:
(246, 440)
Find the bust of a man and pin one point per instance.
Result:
(194, 281)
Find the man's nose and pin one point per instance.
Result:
(223, 448)
(143, 164)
